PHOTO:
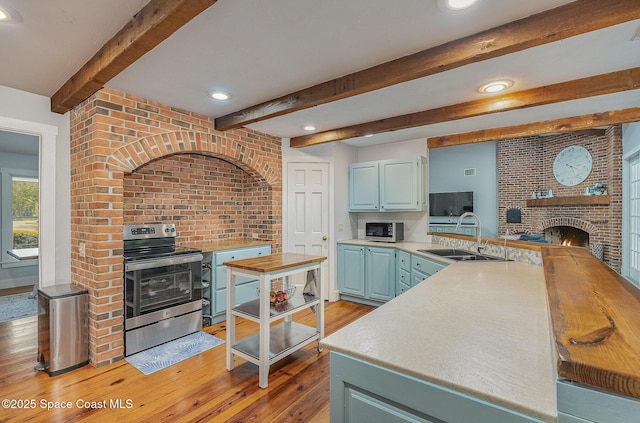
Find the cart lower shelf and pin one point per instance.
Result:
(285, 338)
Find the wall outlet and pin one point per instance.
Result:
(83, 249)
(255, 236)
(340, 227)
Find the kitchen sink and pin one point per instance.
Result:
(462, 255)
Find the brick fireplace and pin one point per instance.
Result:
(525, 166)
(568, 231)
(135, 160)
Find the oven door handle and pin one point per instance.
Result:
(168, 261)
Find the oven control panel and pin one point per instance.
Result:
(153, 230)
(143, 231)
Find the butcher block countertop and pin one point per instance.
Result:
(596, 320)
(478, 328)
(274, 262)
(225, 244)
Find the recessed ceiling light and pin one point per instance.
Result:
(9, 15)
(309, 128)
(368, 135)
(456, 4)
(219, 95)
(496, 86)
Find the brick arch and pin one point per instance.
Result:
(586, 226)
(142, 151)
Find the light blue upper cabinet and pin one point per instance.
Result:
(389, 185)
(363, 187)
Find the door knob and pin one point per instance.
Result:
(324, 238)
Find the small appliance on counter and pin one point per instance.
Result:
(384, 231)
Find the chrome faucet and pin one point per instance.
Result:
(479, 238)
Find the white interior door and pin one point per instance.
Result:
(634, 219)
(308, 213)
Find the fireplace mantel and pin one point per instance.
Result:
(577, 200)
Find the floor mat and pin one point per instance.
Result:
(160, 357)
(17, 306)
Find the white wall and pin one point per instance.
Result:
(20, 110)
(630, 149)
(630, 138)
(446, 174)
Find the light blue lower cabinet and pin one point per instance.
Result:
(422, 268)
(247, 288)
(351, 269)
(366, 274)
(580, 403)
(380, 276)
(365, 392)
(374, 275)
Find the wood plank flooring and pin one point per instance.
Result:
(199, 389)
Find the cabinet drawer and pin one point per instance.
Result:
(425, 265)
(404, 260)
(242, 253)
(404, 277)
(404, 281)
(221, 278)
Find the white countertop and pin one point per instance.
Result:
(478, 328)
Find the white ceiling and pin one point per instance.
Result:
(258, 50)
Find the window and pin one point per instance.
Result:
(20, 212)
(25, 212)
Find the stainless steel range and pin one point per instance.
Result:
(162, 287)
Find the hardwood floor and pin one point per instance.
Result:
(199, 389)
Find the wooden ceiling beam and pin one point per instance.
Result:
(148, 28)
(568, 20)
(578, 124)
(613, 82)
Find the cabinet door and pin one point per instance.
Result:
(380, 276)
(351, 269)
(243, 293)
(363, 187)
(399, 184)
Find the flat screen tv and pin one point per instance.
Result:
(450, 203)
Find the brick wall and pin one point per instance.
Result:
(126, 144)
(207, 198)
(525, 165)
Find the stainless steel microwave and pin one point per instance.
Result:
(384, 231)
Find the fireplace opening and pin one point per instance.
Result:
(567, 235)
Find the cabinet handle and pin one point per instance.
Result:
(417, 264)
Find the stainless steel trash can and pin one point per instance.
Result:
(63, 328)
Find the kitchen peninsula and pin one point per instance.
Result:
(477, 339)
